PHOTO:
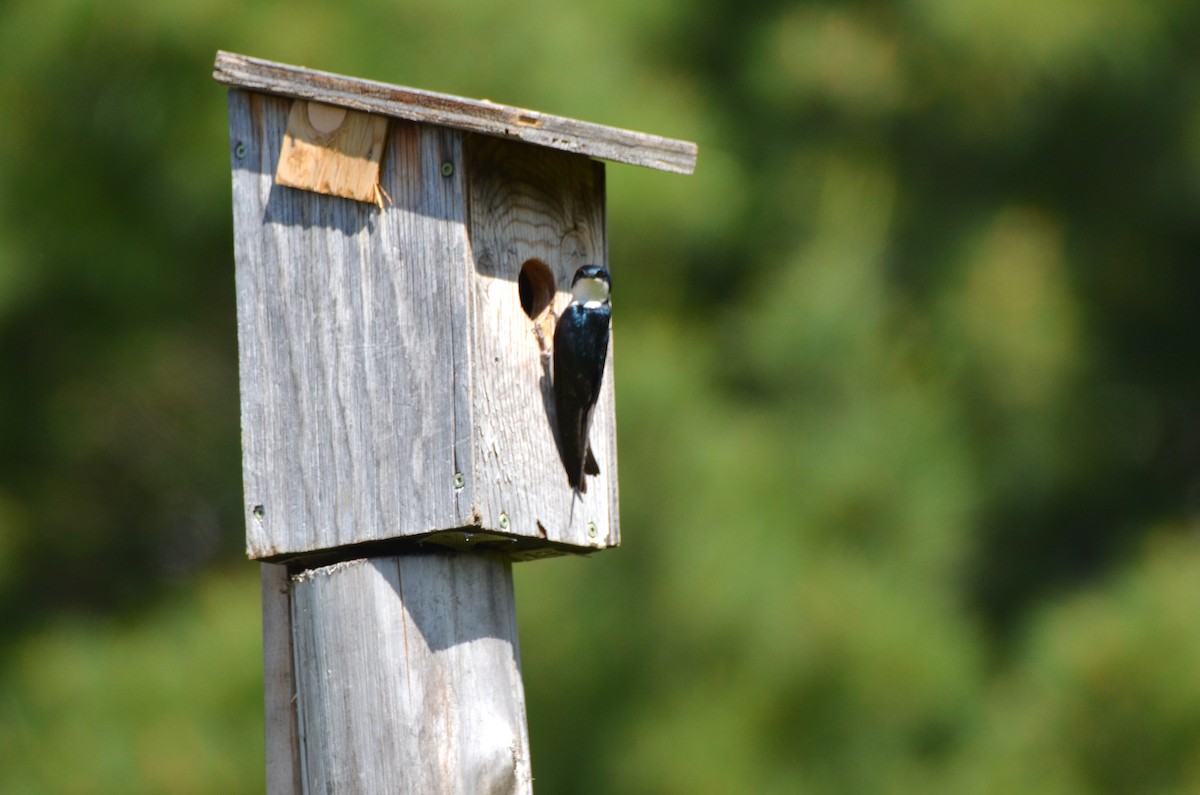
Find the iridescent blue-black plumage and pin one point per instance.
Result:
(580, 349)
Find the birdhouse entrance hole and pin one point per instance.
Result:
(535, 286)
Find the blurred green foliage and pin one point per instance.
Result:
(907, 395)
(163, 700)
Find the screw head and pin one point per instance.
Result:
(592, 531)
(239, 151)
(459, 481)
(258, 512)
(447, 169)
(503, 521)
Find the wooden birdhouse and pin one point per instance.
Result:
(402, 257)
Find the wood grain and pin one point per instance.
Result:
(347, 326)
(555, 132)
(409, 676)
(526, 203)
(279, 685)
(334, 153)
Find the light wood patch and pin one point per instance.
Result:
(331, 150)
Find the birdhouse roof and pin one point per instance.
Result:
(482, 116)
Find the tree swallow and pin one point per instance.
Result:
(580, 348)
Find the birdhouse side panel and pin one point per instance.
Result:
(539, 212)
(350, 343)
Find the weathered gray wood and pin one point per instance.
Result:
(279, 688)
(608, 143)
(347, 327)
(527, 203)
(392, 386)
(409, 676)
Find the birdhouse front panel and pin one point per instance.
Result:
(535, 217)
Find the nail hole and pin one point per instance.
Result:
(535, 285)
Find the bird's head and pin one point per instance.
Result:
(591, 285)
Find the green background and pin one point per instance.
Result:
(906, 372)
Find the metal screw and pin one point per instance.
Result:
(592, 531)
(503, 521)
(258, 512)
(447, 169)
(239, 151)
(459, 480)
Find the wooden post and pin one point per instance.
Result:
(408, 677)
(401, 258)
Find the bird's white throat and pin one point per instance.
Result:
(590, 292)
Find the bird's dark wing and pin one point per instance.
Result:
(580, 350)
